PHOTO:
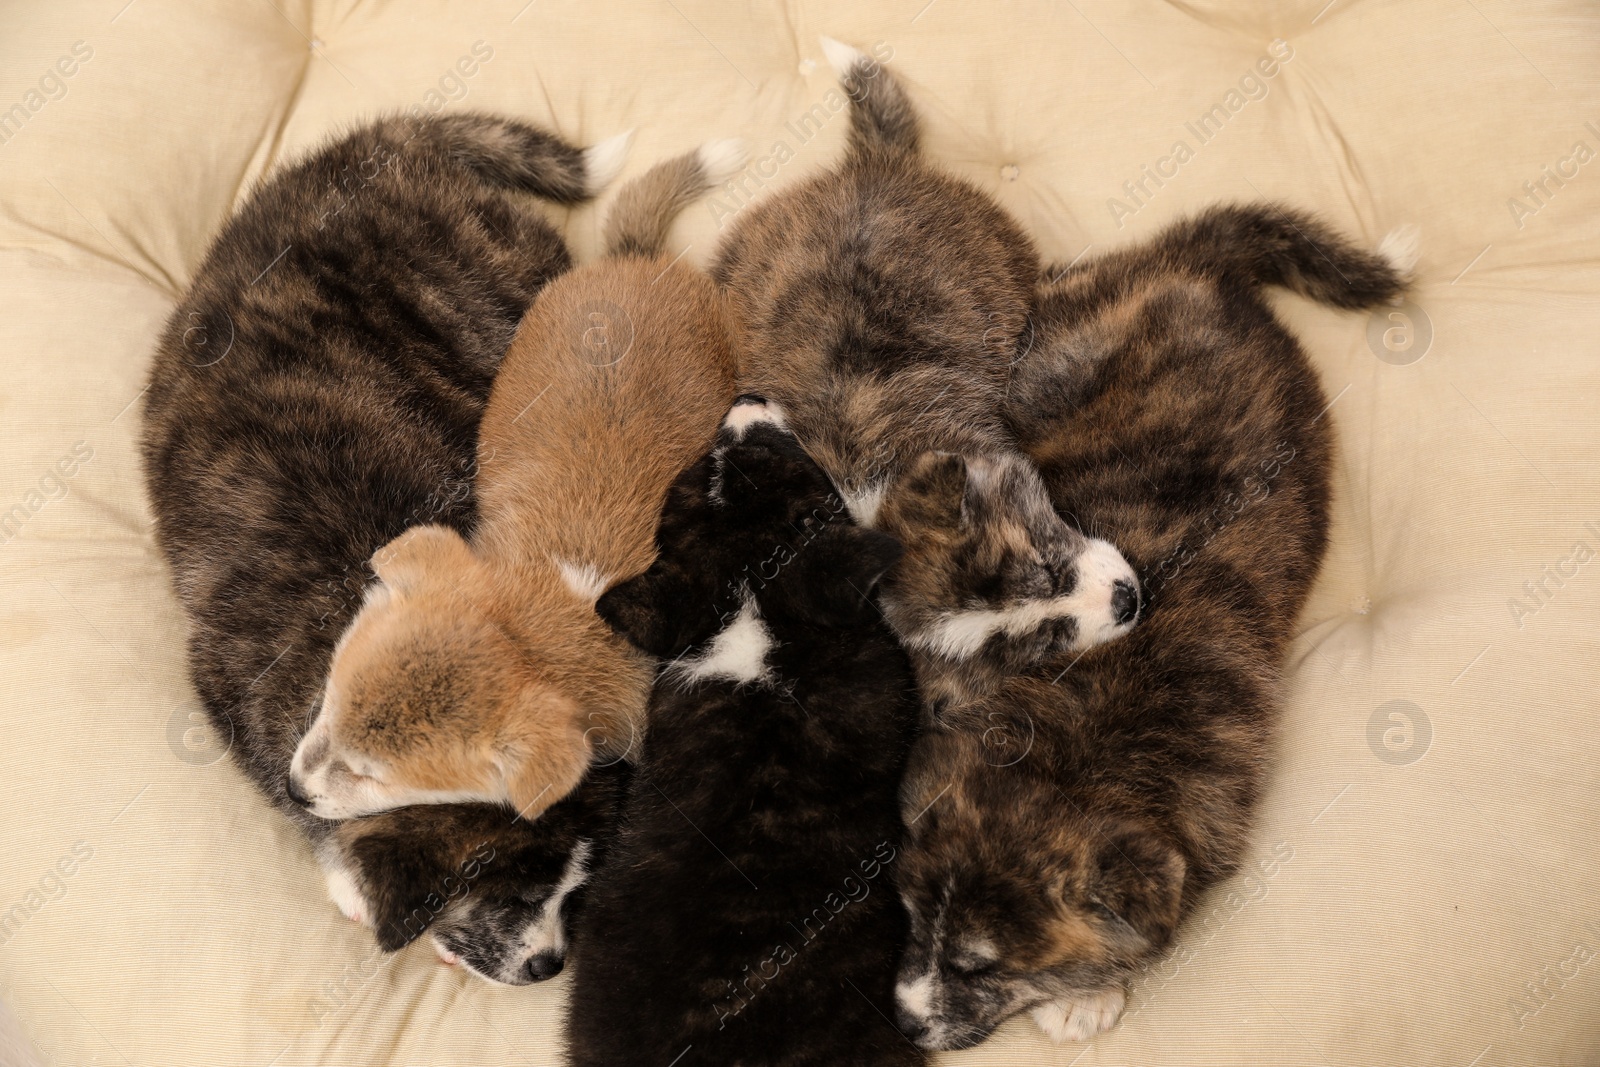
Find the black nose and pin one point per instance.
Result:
(544, 966)
(1124, 602)
(295, 794)
(909, 1024)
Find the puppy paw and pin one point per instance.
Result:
(1080, 1018)
(347, 896)
(446, 957)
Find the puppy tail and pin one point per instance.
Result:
(1266, 244)
(513, 154)
(881, 117)
(646, 206)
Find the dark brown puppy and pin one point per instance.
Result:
(879, 304)
(1167, 407)
(318, 391)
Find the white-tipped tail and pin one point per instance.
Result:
(1401, 247)
(602, 162)
(721, 160)
(842, 56)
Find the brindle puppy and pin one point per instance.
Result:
(879, 305)
(1062, 826)
(318, 391)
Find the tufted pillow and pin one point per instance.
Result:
(1424, 888)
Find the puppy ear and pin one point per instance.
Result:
(645, 610)
(834, 575)
(851, 562)
(404, 562)
(875, 554)
(933, 489)
(550, 761)
(399, 873)
(662, 611)
(1140, 880)
(931, 781)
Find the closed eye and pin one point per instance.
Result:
(1064, 580)
(973, 968)
(353, 774)
(1013, 581)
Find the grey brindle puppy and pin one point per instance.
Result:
(879, 305)
(317, 391)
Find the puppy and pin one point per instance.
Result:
(880, 305)
(1061, 827)
(499, 905)
(747, 916)
(318, 390)
(478, 671)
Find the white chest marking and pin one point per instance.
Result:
(585, 581)
(738, 653)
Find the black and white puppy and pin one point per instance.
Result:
(745, 914)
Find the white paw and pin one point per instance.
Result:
(1080, 1018)
(346, 895)
(446, 957)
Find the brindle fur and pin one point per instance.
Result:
(880, 304)
(317, 391)
(1062, 826)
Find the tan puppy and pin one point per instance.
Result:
(479, 671)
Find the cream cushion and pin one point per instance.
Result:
(1424, 888)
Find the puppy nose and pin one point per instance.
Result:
(909, 1024)
(295, 794)
(1124, 602)
(544, 966)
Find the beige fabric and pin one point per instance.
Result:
(1425, 887)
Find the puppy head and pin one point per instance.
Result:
(497, 895)
(752, 533)
(429, 700)
(1017, 898)
(993, 579)
(515, 939)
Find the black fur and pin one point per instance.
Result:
(745, 915)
